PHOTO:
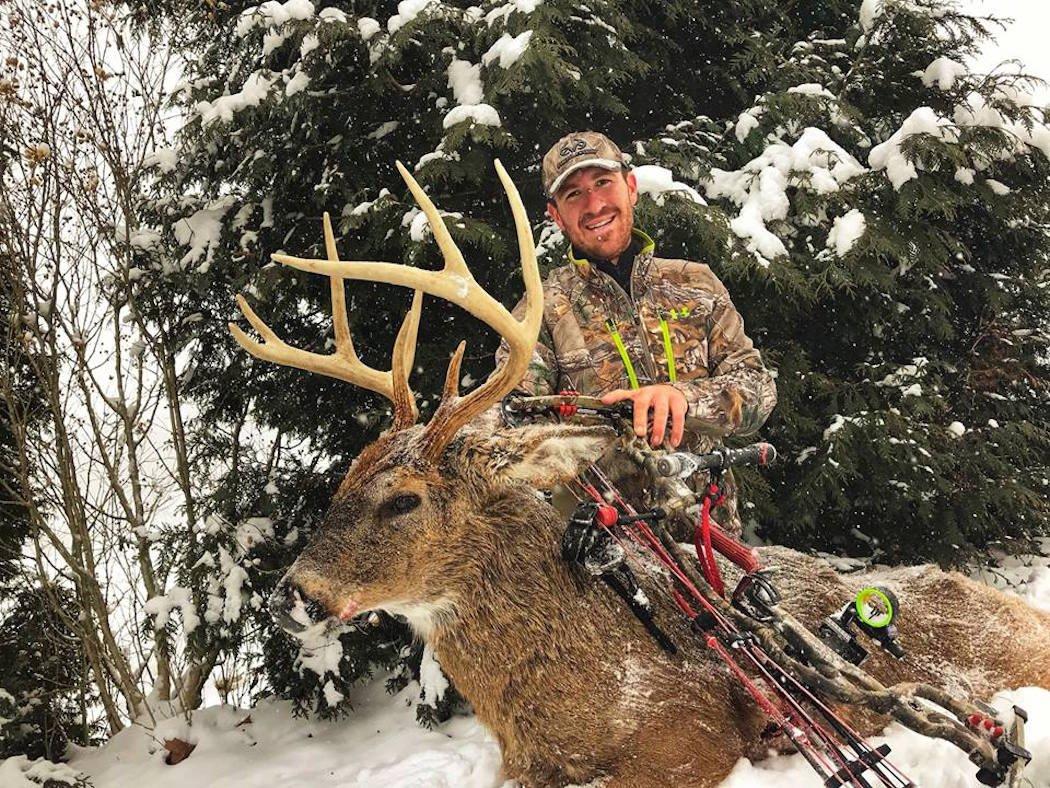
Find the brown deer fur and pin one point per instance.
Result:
(563, 675)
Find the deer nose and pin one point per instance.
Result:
(293, 610)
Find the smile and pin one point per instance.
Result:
(600, 224)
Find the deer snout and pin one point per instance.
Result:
(293, 609)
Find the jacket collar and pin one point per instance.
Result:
(584, 267)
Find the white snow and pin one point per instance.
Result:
(144, 238)
(225, 590)
(943, 72)
(507, 49)
(431, 679)
(162, 158)
(20, 772)
(177, 597)
(838, 421)
(870, 10)
(382, 130)
(846, 231)
(272, 40)
(297, 83)
(407, 10)
(465, 80)
(309, 44)
(505, 10)
(976, 111)
(956, 429)
(482, 114)
(888, 156)
(201, 231)
(379, 744)
(906, 373)
(747, 122)
(812, 89)
(367, 27)
(255, 89)
(999, 188)
(253, 531)
(333, 14)
(657, 181)
(964, 175)
(814, 161)
(273, 14)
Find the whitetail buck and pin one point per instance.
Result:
(441, 524)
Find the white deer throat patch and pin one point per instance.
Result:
(423, 617)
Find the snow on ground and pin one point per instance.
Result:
(380, 745)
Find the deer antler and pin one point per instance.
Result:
(455, 283)
(343, 363)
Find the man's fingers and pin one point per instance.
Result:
(616, 396)
(660, 407)
(641, 413)
(679, 406)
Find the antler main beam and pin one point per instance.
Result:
(455, 284)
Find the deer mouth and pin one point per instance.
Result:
(350, 609)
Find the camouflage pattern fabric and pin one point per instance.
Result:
(716, 366)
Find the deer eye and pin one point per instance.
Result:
(402, 504)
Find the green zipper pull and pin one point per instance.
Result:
(672, 372)
(618, 341)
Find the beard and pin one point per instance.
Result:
(608, 243)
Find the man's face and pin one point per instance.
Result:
(594, 207)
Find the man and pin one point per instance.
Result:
(624, 324)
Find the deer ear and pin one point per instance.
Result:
(539, 455)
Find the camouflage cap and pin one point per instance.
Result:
(575, 151)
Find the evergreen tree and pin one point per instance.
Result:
(43, 688)
(44, 696)
(877, 212)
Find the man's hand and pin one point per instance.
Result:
(661, 400)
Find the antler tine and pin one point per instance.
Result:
(344, 363)
(405, 412)
(453, 412)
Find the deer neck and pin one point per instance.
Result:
(523, 625)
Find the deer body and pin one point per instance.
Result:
(441, 524)
(566, 679)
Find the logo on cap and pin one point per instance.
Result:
(574, 148)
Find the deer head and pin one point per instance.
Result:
(417, 488)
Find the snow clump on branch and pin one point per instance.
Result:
(505, 10)
(273, 14)
(846, 231)
(464, 78)
(815, 162)
(942, 73)
(178, 597)
(657, 181)
(508, 49)
(255, 89)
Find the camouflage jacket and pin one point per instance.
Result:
(677, 326)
